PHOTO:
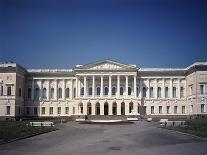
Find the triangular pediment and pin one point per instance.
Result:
(106, 65)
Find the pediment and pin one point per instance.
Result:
(105, 65)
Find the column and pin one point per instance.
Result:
(171, 88)
(163, 88)
(76, 87)
(93, 87)
(109, 95)
(32, 90)
(178, 92)
(102, 86)
(85, 87)
(55, 90)
(126, 86)
(135, 86)
(48, 90)
(118, 86)
(155, 88)
(63, 89)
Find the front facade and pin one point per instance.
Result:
(103, 88)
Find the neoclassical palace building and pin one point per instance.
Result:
(103, 88)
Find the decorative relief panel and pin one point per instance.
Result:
(107, 66)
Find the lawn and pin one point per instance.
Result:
(10, 130)
(194, 127)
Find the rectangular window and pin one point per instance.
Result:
(51, 110)
(43, 110)
(9, 91)
(181, 92)
(2, 91)
(20, 92)
(52, 93)
(29, 93)
(8, 110)
(175, 109)
(160, 109)
(59, 110)
(202, 108)
(168, 109)
(201, 89)
(66, 110)
(35, 110)
(152, 109)
(174, 92)
(183, 109)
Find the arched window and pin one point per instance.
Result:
(129, 91)
(159, 92)
(52, 93)
(114, 91)
(90, 91)
(98, 91)
(67, 92)
(37, 93)
(144, 91)
(174, 92)
(106, 91)
(181, 92)
(44, 93)
(166, 92)
(121, 90)
(59, 92)
(82, 91)
(151, 92)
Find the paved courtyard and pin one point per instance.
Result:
(139, 138)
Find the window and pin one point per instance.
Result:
(9, 91)
(43, 110)
(106, 91)
(152, 109)
(181, 92)
(151, 92)
(2, 90)
(51, 110)
(82, 91)
(35, 110)
(90, 91)
(114, 91)
(168, 109)
(29, 93)
(73, 110)
(67, 92)
(37, 91)
(8, 110)
(52, 93)
(175, 109)
(28, 110)
(203, 108)
(166, 92)
(74, 92)
(19, 110)
(129, 90)
(191, 108)
(20, 92)
(201, 89)
(66, 110)
(98, 91)
(59, 92)
(191, 90)
(183, 109)
(144, 92)
(174, 92)
(159, 92)
(160, 109)
(44, 93)
(59, 110)
(121, 90)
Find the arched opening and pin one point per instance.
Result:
(121, 90)
(159, 92)
(98, 91)
(44, 93)
(67, 92)
(114, 108)
(122, 108)
(80, 108)
(82, 91)
(97, 108)
(144, 90)
(106, 108)
(131, 107)
(106, 91)
(88, 108)
(90, 91)
(129, 91)
(114, 91)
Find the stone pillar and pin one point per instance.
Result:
(126, 86)
(155, 88)
(178, 92)
(110, 108)
(93, 87)
(32, 90)
(55, 89)
(109, 95)
(93, 109)
(118, 86)
(76, 87)
(63, 90)
(48, 90)
(135, 86)
(85, 87)
(163, 88)
(118, 108)
(171, 89)
(101, 85)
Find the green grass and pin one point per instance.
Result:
(194, 127)
(12, 130)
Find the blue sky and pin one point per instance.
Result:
(63, 33)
